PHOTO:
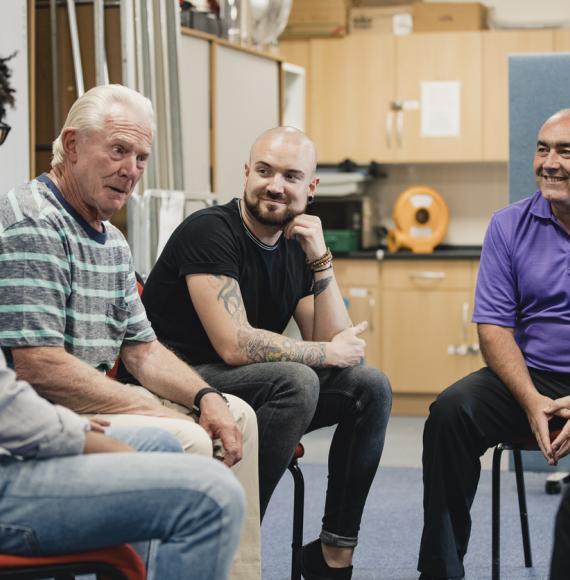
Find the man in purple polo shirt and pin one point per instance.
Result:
(522, 309)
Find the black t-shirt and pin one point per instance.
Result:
(215, 240)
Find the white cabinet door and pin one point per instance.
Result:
(194, 80)
(246, 93)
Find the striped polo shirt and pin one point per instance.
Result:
(63, 283)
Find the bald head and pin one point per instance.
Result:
(286, 137)
(560, 116)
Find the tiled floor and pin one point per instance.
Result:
(403, 447)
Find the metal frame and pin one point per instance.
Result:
(496, 507)
(298, 511)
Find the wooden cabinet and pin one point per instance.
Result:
(365, 92)
(358, 281)
(497, 46)
(562, 40)
(351, 87)
(427, 338)
(424, 58)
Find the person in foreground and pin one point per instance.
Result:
(69, 305)
(221, 294)
(53, 461)
(522, 309)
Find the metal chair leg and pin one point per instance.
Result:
(298, 505)
(519, 473)
(495, 514)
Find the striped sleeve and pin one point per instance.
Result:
(34, 284)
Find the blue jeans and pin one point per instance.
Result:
(291, 399)
(193, 505)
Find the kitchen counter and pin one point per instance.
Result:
(440, 253)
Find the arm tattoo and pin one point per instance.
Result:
(321, 285)
(265, 346)
(230, 295)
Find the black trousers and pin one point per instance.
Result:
(465, 420)
(560, 565)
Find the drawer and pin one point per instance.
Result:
(356, 272)
(428, 275)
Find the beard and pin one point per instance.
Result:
(268, 218)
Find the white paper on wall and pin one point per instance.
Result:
(440, 108)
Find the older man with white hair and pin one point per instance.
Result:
(69, 304)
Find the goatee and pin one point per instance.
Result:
(269, 218)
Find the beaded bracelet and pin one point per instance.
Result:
(329, 267)
(324, 260)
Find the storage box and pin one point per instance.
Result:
(381, 20)
(342, 240)
(310, 18)
(385, 3)
(449, 16)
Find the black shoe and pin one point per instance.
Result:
(424, 576)
(314, 567)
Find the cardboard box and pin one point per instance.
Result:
(310, 18)
(381, 20)
(384, 3)
(449, 16)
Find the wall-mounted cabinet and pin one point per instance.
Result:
(422, 59)
(366, 101)
(351, 85)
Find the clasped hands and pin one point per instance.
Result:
(539, 415)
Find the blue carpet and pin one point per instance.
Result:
(391, 527)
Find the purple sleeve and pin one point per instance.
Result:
(496, 292)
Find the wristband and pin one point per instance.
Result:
(200, 394)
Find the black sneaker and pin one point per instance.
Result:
(314, 566)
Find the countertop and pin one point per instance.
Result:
(440, 253)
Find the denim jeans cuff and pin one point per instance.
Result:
(337, 541)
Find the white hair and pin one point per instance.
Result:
(90, 111)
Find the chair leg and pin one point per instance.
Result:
(495, 514)
(519, 472)
(298, 506)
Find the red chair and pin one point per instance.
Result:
(116, 563)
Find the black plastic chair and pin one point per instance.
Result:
(516, 447)
(298, 509)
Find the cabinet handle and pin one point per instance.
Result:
(389, 128)
(427, 275)
(399, 127)
(371, 304)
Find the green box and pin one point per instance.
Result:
(342, 240)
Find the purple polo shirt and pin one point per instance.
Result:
(524, 282)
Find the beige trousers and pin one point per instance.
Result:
(194, 439)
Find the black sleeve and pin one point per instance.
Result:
(207, 245)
